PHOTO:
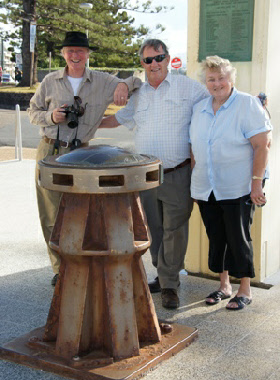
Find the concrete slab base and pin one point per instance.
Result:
(29, 350)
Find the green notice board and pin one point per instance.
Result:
(226, 29)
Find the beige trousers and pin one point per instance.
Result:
(48, 202)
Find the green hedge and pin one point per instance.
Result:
(107, 69)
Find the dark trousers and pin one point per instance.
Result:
(168, 209)
(228, 224)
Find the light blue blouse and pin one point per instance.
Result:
(221, 146)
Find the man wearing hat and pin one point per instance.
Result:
(87, 94)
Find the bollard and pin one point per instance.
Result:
(102, 320)
(18, 137)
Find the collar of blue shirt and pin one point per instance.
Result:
(208, 105)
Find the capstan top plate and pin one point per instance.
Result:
(99, 156)
(100, 169)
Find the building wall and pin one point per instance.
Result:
(271, 214)
(260, 74)
(8, 66)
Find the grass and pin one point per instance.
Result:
(111, 110)
(18, 90)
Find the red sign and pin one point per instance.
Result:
(176, 63)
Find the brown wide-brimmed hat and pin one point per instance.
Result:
(76, 39)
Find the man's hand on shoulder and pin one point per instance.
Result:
(121, 94)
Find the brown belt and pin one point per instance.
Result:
(63, 144)
(181, 165)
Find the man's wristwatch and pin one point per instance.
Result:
(255, 177)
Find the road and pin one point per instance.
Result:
(30, 133)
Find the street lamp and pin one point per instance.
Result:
(86, 6)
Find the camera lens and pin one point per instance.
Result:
(73, 124)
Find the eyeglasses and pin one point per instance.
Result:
(157, 58)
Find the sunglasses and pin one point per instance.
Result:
(79, 108)
(157, 58)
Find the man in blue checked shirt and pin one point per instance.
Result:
(160, 111)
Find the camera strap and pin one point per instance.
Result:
(56, 144)
(76, 143)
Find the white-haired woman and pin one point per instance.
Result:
(230, 139)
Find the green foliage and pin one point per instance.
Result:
(109, 24)
(111, 70)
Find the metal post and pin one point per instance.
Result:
(18, 139)
(50, 61)
(86, 6)
(87, 64)
(2, 54)
(31, 69)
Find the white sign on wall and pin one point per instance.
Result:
(32, 36)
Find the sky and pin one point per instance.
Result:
(175, 23)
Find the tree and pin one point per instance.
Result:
(109, 23)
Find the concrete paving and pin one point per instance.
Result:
(241, 345)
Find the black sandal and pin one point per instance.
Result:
(241, 303)
(217, 296)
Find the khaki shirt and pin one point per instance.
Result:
(96, 92)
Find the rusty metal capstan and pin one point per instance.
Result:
(102, 311)
(100, 233)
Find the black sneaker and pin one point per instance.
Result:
(54, 279)
(169, 298)
(155, 286)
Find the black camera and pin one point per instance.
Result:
(72, 113)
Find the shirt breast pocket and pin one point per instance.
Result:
(141, 113)
(178, 110)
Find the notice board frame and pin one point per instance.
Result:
(226, 29)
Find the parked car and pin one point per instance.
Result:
(7, 78)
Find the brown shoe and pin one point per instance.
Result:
(154, 286)
(169, 298)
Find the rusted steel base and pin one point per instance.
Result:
(96, 366)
